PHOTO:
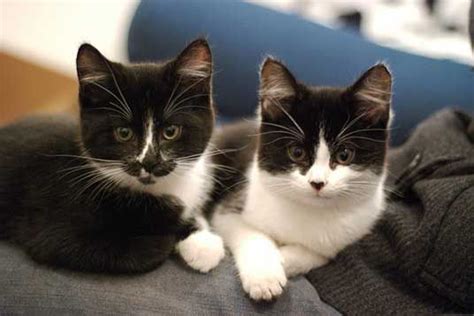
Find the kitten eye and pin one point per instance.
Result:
(123, 134)
(345, 156)
(296, 153)
(171, 132)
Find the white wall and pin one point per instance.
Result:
(50, 31)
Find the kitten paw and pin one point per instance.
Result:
(298, 260)
(265, 283)
(202, 250)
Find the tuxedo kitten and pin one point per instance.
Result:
(116, 191)
(313, 181)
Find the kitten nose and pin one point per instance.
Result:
(148, 166)
(317, 185)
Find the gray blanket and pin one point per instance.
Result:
(173, 289)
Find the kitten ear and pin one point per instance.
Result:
(372, 93)
(195, 61)
(277, 85)
(91, 65)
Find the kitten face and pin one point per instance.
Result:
(145, 120)
(323, 145)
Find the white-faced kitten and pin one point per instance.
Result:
(315, 183)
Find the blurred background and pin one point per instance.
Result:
(39, 38)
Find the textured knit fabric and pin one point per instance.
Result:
(173, 289)
(420, 256)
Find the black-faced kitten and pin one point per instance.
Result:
(117, 190)
(310, 184)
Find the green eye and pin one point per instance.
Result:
(171, 132)
(296, 153)
(345, 156)
(123, 134)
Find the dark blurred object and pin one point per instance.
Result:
(430, 4)
(351, 20)
(442, 13)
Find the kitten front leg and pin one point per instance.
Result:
(257, 257)
(202, 249)
(101, 252)
(300, 260)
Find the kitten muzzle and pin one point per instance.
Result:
(147, 178)
(159, 169)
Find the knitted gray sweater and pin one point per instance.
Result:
(420, 255)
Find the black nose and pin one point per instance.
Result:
(158, 168)
(317, 185)
(149, 166)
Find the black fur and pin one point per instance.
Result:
(237, 142)
(64, 218)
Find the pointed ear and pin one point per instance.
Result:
(195, 61)
(372, 93)
(277, 87)
(91, 65)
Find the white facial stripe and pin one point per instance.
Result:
(320, 169)
(323, 155)
(148, 140)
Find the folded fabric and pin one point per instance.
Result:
(27, 288)
(420, 256)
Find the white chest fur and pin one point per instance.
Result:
(324, 229)
(191, 186)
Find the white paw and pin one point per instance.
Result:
(202, 250)
(265, 282)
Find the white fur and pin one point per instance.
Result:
(286, 224)
(191, 186)
(256, 255)
(324, 222)
(202, 250)
(277, 88)
(94, 77)
(196, 69)
(148, 140)
(320, 170)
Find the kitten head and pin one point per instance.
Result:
(145, 120)
(323, 146)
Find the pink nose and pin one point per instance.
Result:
(317, 185)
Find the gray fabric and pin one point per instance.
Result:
(27, 288)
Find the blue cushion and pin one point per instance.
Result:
(242, 33)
